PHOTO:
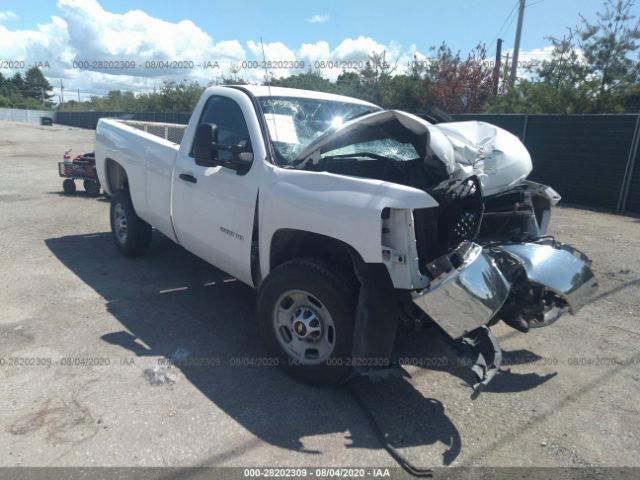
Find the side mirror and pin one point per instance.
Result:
(241, 157)
(204, 152)
(238, 157)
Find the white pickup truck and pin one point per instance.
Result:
(349, 220)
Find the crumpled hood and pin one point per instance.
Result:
(495, 155)
(401, 126)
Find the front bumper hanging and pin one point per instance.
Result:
(470, 289)
(557, 267)
(467, 290)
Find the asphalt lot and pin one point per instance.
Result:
(82, 330)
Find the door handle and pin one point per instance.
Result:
(188, 178)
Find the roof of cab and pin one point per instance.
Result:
(264, 91)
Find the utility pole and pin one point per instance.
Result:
(516, 46)
(42, 96)
(496, 69)
(78, 95)
(61, 95)
(506, 67)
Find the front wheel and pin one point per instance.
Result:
(131, 234)
(306, 312)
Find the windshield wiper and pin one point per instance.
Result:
(375, 156)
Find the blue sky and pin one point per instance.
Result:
(66, 31)
(461, 23)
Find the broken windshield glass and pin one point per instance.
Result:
(386, 147)
(294, 123)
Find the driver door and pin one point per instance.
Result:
(213, 207)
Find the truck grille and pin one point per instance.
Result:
(457, 219)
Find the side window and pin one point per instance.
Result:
(226, 114)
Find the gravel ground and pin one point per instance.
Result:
(82, 330)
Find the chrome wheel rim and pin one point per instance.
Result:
(120, 223)
(304, 327)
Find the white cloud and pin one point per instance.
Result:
(135, 36)
(274, 52)
(529, 61)
(49, 43)
(6, 15)
(318, 18)
(531, 58)
(87, 34)
(357, 49)
(279, 57)
(314, 52)
(350, 54)
(404, 60)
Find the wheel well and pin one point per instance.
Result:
(116, 176)
(288, 244)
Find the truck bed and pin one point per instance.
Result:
(169, 131)
(147, 152)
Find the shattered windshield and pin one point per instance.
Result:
(295, 122)
(385, 147)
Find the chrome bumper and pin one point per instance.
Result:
(559, 268)
(467, 293)
(468, 289)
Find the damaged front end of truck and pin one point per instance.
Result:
(481, 256)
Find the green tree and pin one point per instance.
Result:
(591, 69)
(309, 80)
(375, 79)
(608, 45)
(16, 84)
(560, 85)
(404, 93)
(458, 85)
(349, 83)
(36, 86)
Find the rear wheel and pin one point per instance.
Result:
(69, 186)
(131, 234)
(306, 312)
(92, 188)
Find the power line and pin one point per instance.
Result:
(505, 21)
(535, 3)
(513, 19)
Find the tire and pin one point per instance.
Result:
(302, 291)
(131, 234)
(69, 186)
(92, 188)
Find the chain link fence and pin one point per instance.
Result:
(26, 116)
